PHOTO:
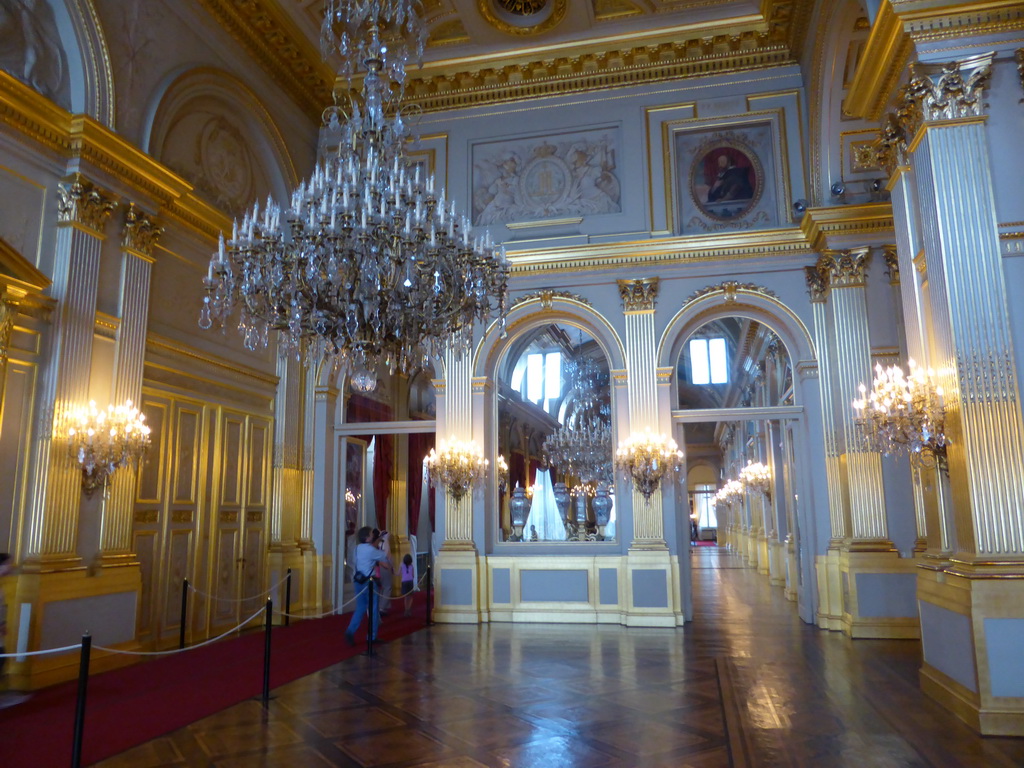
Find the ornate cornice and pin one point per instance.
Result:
(729, 290)
(844, 269)
(950, 91)
(547, 297)
(866, 221)
(140, 231)
(639, 295)
(79, 201)
(900, 25)
(272, 39)
(892, 263)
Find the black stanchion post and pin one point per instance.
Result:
(266, 652)
(83, 685)
(184, 613)
(371, 614)
(430, 596)
(287, 596)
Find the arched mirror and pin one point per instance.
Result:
(734, 362)
(555, 436)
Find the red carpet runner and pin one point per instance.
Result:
(129, 706)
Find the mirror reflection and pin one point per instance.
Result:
(554, 432)
(734, 362)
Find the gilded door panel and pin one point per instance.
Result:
(257, 465)
(225, 610)
(146, 546)
(149, 489)
(178, 559)
(15, 431)
(232, 470)
(186, 455)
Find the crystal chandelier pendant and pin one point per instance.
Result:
(363, 380)
(368, 264)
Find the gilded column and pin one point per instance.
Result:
(309, 390)
(82, 211)
(138, 239)
(863, 469)
(941, 108)
(830, 594)
(285, 514)
(638, 298)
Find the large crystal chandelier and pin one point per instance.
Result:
(101, 442)
(646, 459)
(583, 446)
(903, 413)
(368, 264)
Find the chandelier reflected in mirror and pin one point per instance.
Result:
(582, 446)
(904, 413)
(368, 264)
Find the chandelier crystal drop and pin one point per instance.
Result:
(903, 413)
(102, 441)
(456, 465)
(368, 264)
(646, 459)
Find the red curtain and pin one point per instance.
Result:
(534, 466)
(420, 444)
(517, 471)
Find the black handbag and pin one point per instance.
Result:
(360, 578)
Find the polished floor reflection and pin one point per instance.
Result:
(745, 684)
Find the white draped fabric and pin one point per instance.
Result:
(544, 512)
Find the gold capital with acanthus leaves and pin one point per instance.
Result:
(949, 91)
(844, 269)
(892, 263)
(639, 295)
(81, 202)
(140, 231)
(891, 145)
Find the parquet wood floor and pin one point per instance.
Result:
(746, 684)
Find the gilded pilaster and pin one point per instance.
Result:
(309, 389)
(638, 299)
(863, 469)
(138, 239)
(82, 211)
(970, 310)
(458, 424)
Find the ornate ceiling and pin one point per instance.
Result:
(485, 51)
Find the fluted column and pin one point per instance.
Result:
(941, 111)
(82, 211)
(309, 390)
(138, 239)
(285, 512)
(638, 298)
(863, 469)
(458, 424)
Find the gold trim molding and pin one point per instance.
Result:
(547, 298)
(729, 290)
(869, 219)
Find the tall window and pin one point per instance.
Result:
(709, 362)
(702, 497)
(541, 380)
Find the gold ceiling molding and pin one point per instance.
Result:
(589, 72)
(869, 219)
(781, 243)
(615, 9)
(899, 27)
(270, 37)
(523, 11)
(35, 119)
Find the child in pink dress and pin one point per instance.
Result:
(408, 580)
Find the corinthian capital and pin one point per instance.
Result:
(891, 145)
(80, 202)
(817, 283)
(844, 269)
(943, 91)
(140, 231)
(638, 295)
(892, 263)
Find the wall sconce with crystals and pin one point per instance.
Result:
(757, 477)
(101, 442)
(903, 413)
(456, 465)
(729, 493)
(646, 458)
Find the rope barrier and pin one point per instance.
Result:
(180, 650)
(261, 595)
(17, 655)
(319, 615)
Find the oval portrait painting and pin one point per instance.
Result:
(726, 180)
